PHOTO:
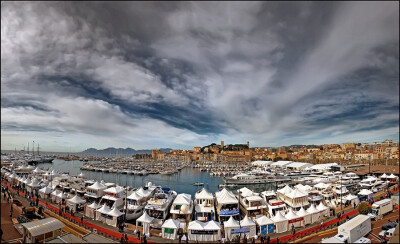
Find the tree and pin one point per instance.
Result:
(364, 208)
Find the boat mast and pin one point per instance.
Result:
(33, 149)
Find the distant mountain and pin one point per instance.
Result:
(111, 151)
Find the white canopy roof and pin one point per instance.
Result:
(115, 212)
(35, 183)
(322, 185)
(246, 221)
(196, 225)
(135, 196)
(231, 223)
(55, 192)
(104, 209)
(62, 195)
(13, 176)
(38, 170)
(143, 192)
(392, 176)
(312, 209)
(226, 197)
(349, 197)
(321, 206)
(246, 192)
(203, 194)
(171, 224)
(43, 226)
(365, 192)
(281, 163)
(264, 220)
(278, 217)
(46, 190)
(285, 190)
(114, 190)
(182, 198)
(291, 215)
(212, 225)
(145, 218)
(384, 175)
(302, 212)
(76, 199)
(28, 181)
(296, 194)
(93, 205)
(96, 186)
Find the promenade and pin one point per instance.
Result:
(111, 232)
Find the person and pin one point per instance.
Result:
(354, 204)
(293, 229)
(253, 240)
(138, 234)
(180, 238)
(245, 239)
(347, 218)
(277, 240)
(144, 239)
(1, 234)
(122, 240)
(268, 239)
(126, 238)
(262, 238)
(187, 239)
(82, 219)
(322, 224)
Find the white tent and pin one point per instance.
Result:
(306, 216)
(249, 223)
(391, 176)
(230, 225)
(38, 171)
(294, 219)
(54, 195)
(75, 203)
(101, 213)
(60, 196)
(90, 210)
(112, 217)
(266, 225)
(195, 229)
(45, 191)
(135, 196)
(203, 194)
(246, 192)
(384, 176)
(214, 228)
(144, 193)
(323, 209)
(226, 197)
(281, 223)
(34, 185)
(96, 186)
(315, 213)
(366, 195)
(146, 220)
(352, 199)
(169, 229)
(322, 186)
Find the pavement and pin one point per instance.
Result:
(7, 226)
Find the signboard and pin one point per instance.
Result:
(229, 212)
(266, 229)
(241, 230)
(277, 203)
(169, 231)
(204, 232)
(296, 220)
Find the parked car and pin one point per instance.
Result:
(18, 203)
(387, 234)
(389, 225)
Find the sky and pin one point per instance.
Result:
(76, 75)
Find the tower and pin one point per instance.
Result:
(222, 144)
(248, 144)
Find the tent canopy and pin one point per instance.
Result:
(43, 226)
(145, 218)
(171, 224)
(365, 192)
(76, 199)
(246, 221)
(231, 223)
(135, 196)
(96, 186)
(93, 205)
(182, 199)
(115, 212)
(195, 225)
(212, 225)
(203, 194)
(46, 190)
(278, 217)
(104, 209)
(226, 197)
(264, 220)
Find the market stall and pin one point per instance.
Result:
(90, 210)
(306, 216)
(101, 213)
(75, 203)
(146, 220)
(366, 195)
(249, 223)
(315, 214)
(265, 224)
(230, 227)
(113, 216)
(45, 192)
(281, 223)
(294, 219)
(169, 229)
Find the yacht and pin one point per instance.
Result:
(158, 206)
(326, 177)
(245, 179)
(251, 203)
(114, 197)
(340, 191)
(135, 205)
(350, 178)
(372, 183)
(227, 205)
(273, 204)
(204, 207)
(182, 208)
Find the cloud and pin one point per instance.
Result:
(190, 73)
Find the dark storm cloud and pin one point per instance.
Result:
(194, 72)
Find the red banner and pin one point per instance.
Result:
(296, 220)
(277, 203)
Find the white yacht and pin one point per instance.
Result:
(251, 203)
(114, 197)
(204, 207)
(327, 177)
(134, 206)
(340, 191)
(158, 206)
(273, 204)
(227, 205)
(372, 183)
(182, 208)
(350, 178)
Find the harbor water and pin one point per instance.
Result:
(181, 182)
